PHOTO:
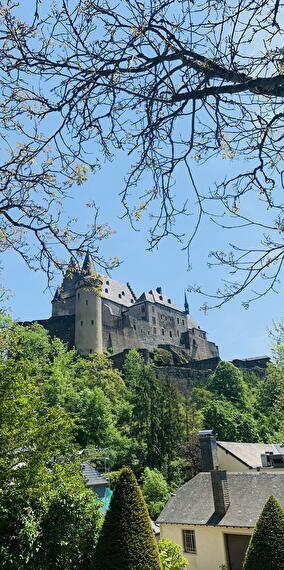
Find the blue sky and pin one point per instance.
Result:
(238, 332)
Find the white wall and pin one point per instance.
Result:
(210, 544)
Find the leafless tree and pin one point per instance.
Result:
(170, 82)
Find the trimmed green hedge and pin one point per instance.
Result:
(266, 548)
(127, 541)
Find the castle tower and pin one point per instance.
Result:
(88, 310)
(186, 306)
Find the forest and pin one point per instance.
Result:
(58, 407)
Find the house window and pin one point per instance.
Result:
(189, 544)
(163, 332)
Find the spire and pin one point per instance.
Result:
(186, 306)
(88, 268)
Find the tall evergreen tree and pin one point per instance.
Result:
(126, 541)
(266, 548)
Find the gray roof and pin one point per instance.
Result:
(92, 475)
(118, 292)
(154, 297)
(248, 491)
(249, 453)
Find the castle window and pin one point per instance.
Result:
(107, 282)
(92, 322)
(163, 332)
(178, 320)
(154, 330)
(154, 320)
(87, 302)
(78, 295)
(153, 309)
(81, 323)
(106, 290)
(177, 333)
(171, 334)
(182, 321)
(91, 351)
(134, 326)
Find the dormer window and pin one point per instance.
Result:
(106, 290)
(119, 294)
(107, 282)
(160, 297)
(132, 300)
(169, 301)
(123, 293)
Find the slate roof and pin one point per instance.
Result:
(248, 491)
(249, 453)
(118, 292)
(154, 297)
(92, 475)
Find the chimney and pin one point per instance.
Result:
(220, 490)
(208, 448)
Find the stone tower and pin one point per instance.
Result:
(88, 310)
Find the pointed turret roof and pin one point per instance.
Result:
(186, 305)
(88, 268)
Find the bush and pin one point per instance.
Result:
(171, 555)
(127, 541)
(155, 490)
(266, 548)
(162, 357)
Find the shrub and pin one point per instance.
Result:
(127, 541)
(171, 555)
(266, 548)
(162, 357)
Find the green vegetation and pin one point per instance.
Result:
(55, 403)
(171, 555)
(127, 541)
(155, 490)
(266, 548)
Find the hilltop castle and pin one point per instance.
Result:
(96, 313)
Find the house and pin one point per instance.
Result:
(98, 484)
(213, 515)
(234, 456)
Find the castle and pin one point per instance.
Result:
(95, 313)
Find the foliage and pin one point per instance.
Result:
(155, 490)
(171, 555)
(227, 381)
(230, 425)
(266, 548)
(126, 78)
(162, 357)
(127, 530)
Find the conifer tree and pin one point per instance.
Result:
(266, 548)
(126, 541)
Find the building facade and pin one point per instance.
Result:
(96, 313)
